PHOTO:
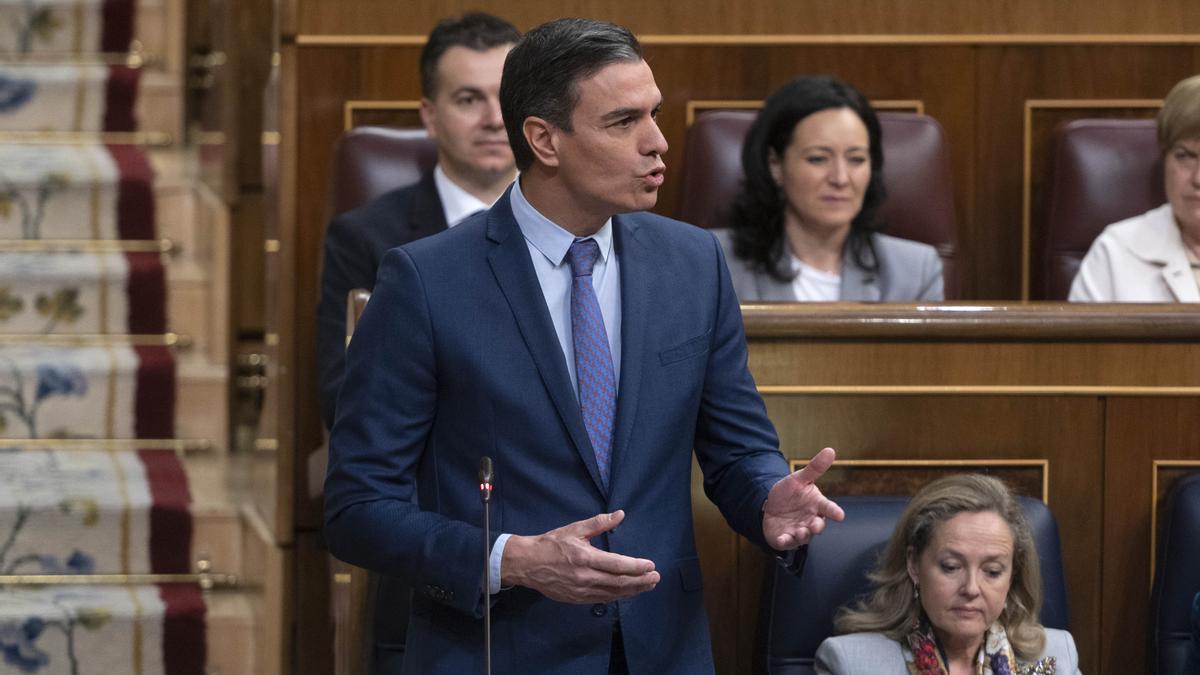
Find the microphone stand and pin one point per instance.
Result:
(485, 496)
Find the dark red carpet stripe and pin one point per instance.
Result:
(119, 18)
(135, 193)
(121, 92)
(170, 517)
(147, 291)
(155, 392)
(184, 635)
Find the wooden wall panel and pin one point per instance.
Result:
(1041, 120)
(742, 17)
(1010, 76)
(1140, 432)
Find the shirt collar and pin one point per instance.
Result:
(546, 236)
(457, 203)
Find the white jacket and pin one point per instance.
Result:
(1141, 259)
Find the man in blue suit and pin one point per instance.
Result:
(587, 348)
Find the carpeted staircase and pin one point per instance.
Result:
(94, 482)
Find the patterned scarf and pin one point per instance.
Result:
(923, 657)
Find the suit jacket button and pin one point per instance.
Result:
(599, 609)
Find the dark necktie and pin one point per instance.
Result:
(593, 360)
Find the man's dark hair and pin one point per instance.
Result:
(542, 71)
(477, 31)
(757, 220)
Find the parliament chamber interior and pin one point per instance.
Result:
(162, 450)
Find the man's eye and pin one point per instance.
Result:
(466, 100)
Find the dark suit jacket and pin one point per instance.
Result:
(456, 357)
(355, 242)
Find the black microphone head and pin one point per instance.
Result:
(485, 469)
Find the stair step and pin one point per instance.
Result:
(67, 97)
(113, 391)
(110, 630)
(75, 192)
(203, 395)
(74, 292)
(65, 26)
(92, 511)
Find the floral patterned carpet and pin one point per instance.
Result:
(84, 369)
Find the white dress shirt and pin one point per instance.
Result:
(548, 245)
(457, 203)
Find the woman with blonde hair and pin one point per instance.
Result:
(957, 590)
(1155, 257)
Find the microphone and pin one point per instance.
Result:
(485, 495)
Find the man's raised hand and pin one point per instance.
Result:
(796, 510)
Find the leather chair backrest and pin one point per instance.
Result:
(1176, 579)
(800, 609)
(920, 202)
(1104, 171)
(369, 161)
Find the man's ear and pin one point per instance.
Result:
(428, 110)
(542, 138)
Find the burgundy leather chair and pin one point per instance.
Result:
(369, 161)
(920, 202)
(1104, 171)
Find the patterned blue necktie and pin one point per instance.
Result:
(593, 360)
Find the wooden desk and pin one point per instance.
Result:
(1095, 408)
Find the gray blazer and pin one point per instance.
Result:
(878, 654)
(909, 271)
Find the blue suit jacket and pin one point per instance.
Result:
(456, 357)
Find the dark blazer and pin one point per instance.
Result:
(456, 357)
(355, 242)
(909, 271)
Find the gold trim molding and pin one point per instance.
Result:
(205, 580)
(1042, 464)
(735, 40)
(754, 104)
(96, 339)
(1027, 161)
(91, 245)
(144, 138)
(1154, 467)
(352, 105)
(179, 445)
(972, 390)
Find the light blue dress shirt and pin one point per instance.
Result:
(548, 244)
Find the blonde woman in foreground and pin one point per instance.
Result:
(958, 590)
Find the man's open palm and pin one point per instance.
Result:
(796, 510)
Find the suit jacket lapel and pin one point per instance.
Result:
(425, 213)
(514, 273)
(638, 283)
(857, 283)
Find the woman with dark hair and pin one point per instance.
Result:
(804, 225)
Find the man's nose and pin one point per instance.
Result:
(656, 143)
(493, 118)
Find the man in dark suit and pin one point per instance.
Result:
(460, 109)
(587, 347)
